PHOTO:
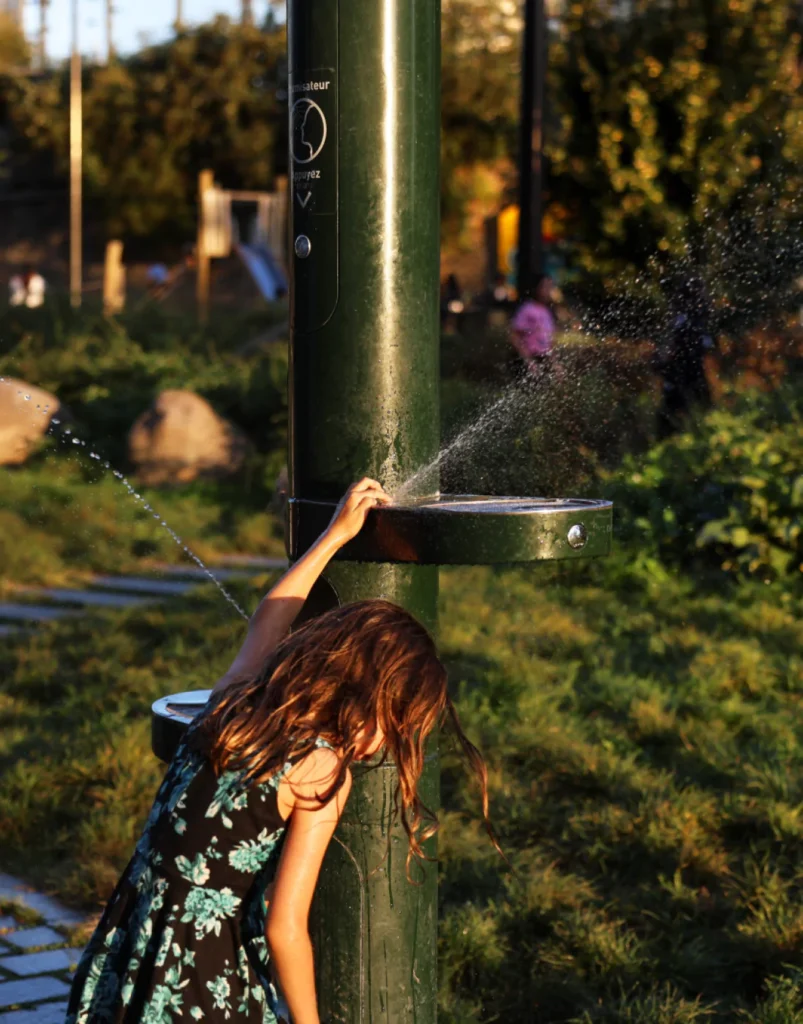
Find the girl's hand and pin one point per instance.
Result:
(353, 510)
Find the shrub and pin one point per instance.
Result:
(728, 493)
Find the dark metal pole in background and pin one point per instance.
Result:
(364, 326)
(531, 147)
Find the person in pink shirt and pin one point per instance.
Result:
(532, 329)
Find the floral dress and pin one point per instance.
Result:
(183, 936)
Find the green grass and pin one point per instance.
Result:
(645, 753)
(646, 762)
(641, 716)
(62, 517)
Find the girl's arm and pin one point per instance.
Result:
(311, 827)
(278, 610)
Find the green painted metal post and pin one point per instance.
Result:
(364, 138)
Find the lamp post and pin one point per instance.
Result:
(76, 148)
(42, 41)
(531, 145)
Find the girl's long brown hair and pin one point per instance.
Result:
(365, 664)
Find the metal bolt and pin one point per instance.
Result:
(577, 536)
(303, 247)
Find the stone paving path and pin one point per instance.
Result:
(19, 616)
(36, 960)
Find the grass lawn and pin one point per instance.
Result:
(62, 519)
(645, 750)
(641, 715)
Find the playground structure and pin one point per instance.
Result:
(263, 252)
(364, 399)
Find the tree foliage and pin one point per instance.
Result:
(479, 90)
(212, 98)
(674, 128)
(15, 54)
(678, 131)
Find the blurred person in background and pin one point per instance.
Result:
(27, 289)
(452, 303)
(16, 290)
(532, 329)
(681, 361)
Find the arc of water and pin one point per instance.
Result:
(415, 486)
(67, 434)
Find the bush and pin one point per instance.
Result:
(108, 371)
(727, 494)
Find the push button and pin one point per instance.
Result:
(303, 247)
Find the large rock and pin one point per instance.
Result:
(25, 415)
(180, 438)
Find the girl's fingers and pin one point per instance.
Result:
(366, 503)
(369, 492)
(366, 484)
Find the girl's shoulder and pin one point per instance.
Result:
(317, 774)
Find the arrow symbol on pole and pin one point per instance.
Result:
(305, 200)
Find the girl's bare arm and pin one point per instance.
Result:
(278, 609)
(310, 830)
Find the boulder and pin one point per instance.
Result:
(25, 415)
(181, 438)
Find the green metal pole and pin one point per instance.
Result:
(375, 933)
(364, 136)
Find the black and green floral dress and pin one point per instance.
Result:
(183, 936)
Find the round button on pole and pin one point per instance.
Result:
(577, 536)
(303, 247)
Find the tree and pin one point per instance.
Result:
(479, 92)
(212, 98)
(15, 54)
(677, 136)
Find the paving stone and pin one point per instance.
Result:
(27, 964)
(47, 1013)
(87, 597)
(32, 612)
(51, 910)
(29, 989)
(195, 573)
(29, 938)
(252, 561)
(139, 584)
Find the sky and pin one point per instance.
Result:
(134, 21)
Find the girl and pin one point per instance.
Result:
(251, 800)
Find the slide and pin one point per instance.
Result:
(265, 270)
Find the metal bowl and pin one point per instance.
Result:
(170, 717)
(464, 529)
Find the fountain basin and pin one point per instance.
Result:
(170, 717)
(464, 529)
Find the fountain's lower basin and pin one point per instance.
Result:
(170, 717)
(464, 529)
